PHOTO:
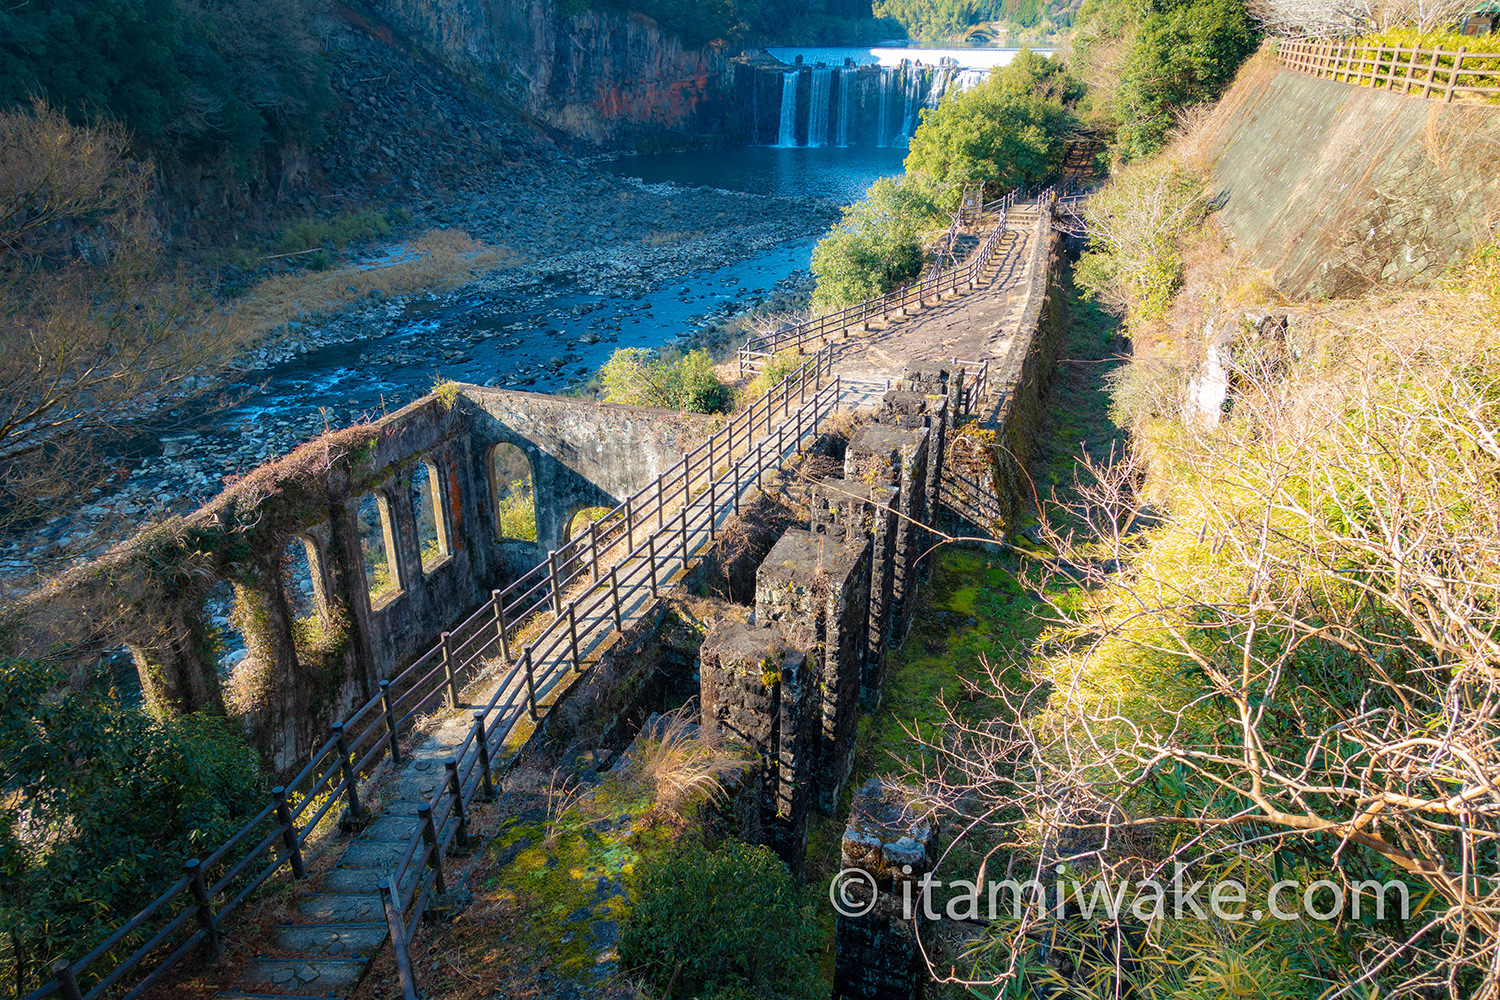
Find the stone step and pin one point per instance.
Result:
(331, 940)
(304, 977)
(340, 907)
(388, 826)
(364, 853)
(242, 995)
(359, 881)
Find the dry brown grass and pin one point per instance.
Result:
(684, 763)
(439, 259)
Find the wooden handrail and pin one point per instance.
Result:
(1412, 71)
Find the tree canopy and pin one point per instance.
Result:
(189, 78)
(877, 244)
(1007, 131)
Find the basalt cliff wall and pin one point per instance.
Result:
(607, 79)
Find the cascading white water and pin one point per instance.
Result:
(847, 79)
(968, 79)
(913, 103)
(788, 137)
(817, 108)
(882, 123)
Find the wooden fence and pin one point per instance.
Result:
(563, 606)
(758, 351)
(1436, 74)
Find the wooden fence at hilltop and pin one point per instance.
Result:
(1436, 74)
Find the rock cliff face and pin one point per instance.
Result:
(610, 80)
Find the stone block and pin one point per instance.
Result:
(819, 585)
(877, 955)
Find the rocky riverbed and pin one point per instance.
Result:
(598, 261)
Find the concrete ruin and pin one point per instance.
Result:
(302, 672)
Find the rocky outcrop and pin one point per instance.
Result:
(603, 78)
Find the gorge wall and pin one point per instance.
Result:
(600, 77)
(1334, 188)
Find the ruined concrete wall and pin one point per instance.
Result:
(1333, 188)
(299, 676)
(984, 482)
(605, 78)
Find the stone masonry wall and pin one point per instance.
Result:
(1333, 187)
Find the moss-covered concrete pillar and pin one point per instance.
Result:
(820, 584)
(881, 454)
(842, 505)
(887, 848)
(761, 693)
(175, 654)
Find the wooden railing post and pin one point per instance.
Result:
(356, 814)
(553, 583)
(734, 466)
(450, 670)
(660, 502)
(429, 835)
(456, 789)
(530, 670)
(573, 633)
(193, 868)
(651, 561)
(67, 982)
(486, 782)
(1432, 69)
(288, 831)
(388, 710)
(614, 595)
(500, 624)
(1458, 64)
(396, 924)
(594, 551)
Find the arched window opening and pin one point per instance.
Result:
(582, 518)
(515, 499)
(298, 559)
(228, 639)
(432, 520)
(377, 543)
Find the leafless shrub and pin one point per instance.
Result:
(684, 763)
(1303, 652)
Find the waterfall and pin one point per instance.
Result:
(817, 110)
(882, 122)
(847, 79)
(755, 109)
(789, 109)
(913, 102)
(968, 79)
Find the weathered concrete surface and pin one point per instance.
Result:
(1333, 187)
(971, 326)
(877, 955)
(885, 455)
(820, 584)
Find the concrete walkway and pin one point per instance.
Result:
(971, 326)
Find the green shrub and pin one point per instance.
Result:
(104, 803)
(1137, 224)
(722, 924)
(780, 368)
(877, 244)
(334, 233)
(517, 513)
(635, 376)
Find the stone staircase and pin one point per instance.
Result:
(323, 949)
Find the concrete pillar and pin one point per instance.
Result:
(838, 504)
(757, 691)
(881, 454)
(876, 951)
(819, 584)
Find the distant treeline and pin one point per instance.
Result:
(939, 19)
